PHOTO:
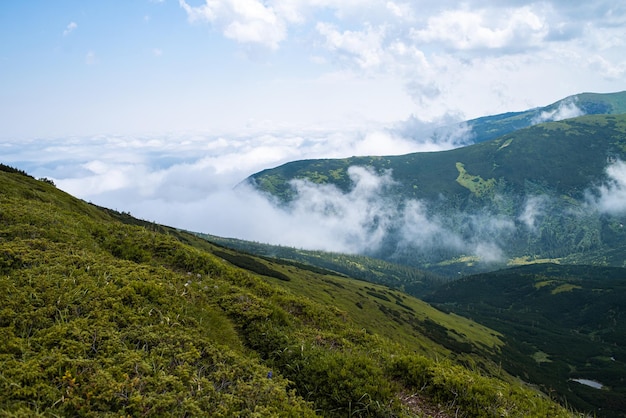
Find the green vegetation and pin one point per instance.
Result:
(560, 323)
(464, 189)
(100, 317)
(409, 279)
(490, 127)
(475, 184)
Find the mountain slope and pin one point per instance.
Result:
(491, 127)
(411, 280)
(531, 194)
(563, 325)
(104, 318)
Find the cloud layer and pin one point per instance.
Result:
(161, 177)
(246, 85)
(443, 52)
(189, 182)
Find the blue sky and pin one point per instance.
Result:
(145, 66)
(83, 68)
(160, 107)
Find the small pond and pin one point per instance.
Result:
(587, 382)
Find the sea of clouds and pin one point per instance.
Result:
(194, 181)
(189, 180)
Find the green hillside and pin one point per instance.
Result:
(557, 156)
(411, 280)
(491, 127)
(100, 317)
(561, 323)
(558, 164)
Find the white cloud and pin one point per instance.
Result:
(353, 222)
(245, 21)
(533, 212)
(426, 234)
(481, 29)
(188, 181)
(607, 68)
(70, 28)
(400, 10)
(365, 47)
(476, 58)
(567, 109)
(159, 178)
(610, 197)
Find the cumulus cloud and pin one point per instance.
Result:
(450, 56)
(245, 21)
(466, 29)
(70, 28)
(364, 47)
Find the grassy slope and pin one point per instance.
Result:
(98, 318)
(411, 280)
(561, 323)
(561, 156)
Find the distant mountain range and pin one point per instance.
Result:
(551, 191)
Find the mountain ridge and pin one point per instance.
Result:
(490, 127)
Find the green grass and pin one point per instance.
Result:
(475, 184)
(104, 318)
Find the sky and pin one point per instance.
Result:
(161, 107)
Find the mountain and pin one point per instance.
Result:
(549, 192)
(563, 325)
(102, 314)
(491, 127)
